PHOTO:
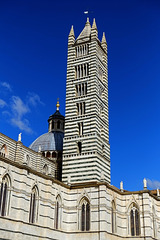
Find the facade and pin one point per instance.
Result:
(46, 196)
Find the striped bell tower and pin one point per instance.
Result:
(86, 149)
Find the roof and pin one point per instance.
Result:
(51, 141)
(86, 32)
(56, 115)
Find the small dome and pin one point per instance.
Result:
(51, 141)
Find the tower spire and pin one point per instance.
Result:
(94, 31)
(71, 31)
(71, 37)
(94, 26)
(103, 42)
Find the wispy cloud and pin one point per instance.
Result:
(18, 107)
(33, 99)
(2, 103)
(6, 86)
(19, 110)
(22, 124)
(153, 184)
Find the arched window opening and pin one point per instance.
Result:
(48, 154)
(85, 215)
(33, 213)
(27, 159)
(58, 212)
(113, 217)
(53, 154)
(134, 220)
(4, 151)
(58, 124)
(79, 145)
(45, 169)
(4, 195)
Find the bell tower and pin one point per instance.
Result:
(86, 149)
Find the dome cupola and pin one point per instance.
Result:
(56, 121)
(50, 144)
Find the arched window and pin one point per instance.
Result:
(85, 215)
(45, 169)
(48, 154)
(58, 212)
(33, 213)
(4, 151)
(5, 195)
(113, 217)
(134, 220)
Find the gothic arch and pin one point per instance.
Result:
(113, 216)
(84, 194)
(58, 212)
(5, 194)
(84, 214)
(130, 202)
(134, 219)
(34, 204)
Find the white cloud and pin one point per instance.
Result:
(22, 124)
(2, 103)
(153, 184)
(33, 99)
(6, 85)
(19, 108)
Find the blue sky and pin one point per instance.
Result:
(33, 57)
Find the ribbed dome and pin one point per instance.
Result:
(51, 141)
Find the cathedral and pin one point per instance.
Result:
(59, 187)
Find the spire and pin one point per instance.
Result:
(87, 23)
(71, 31)
(71, 37)
(103, 42)
(57, 105)
(94, 32)
(86, 32)
(94, 26)
(104, 38)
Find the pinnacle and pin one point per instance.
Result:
(103, 38)
(94, 26)
(71, 32)
(87, 23)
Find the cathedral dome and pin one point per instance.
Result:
(51, 141)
